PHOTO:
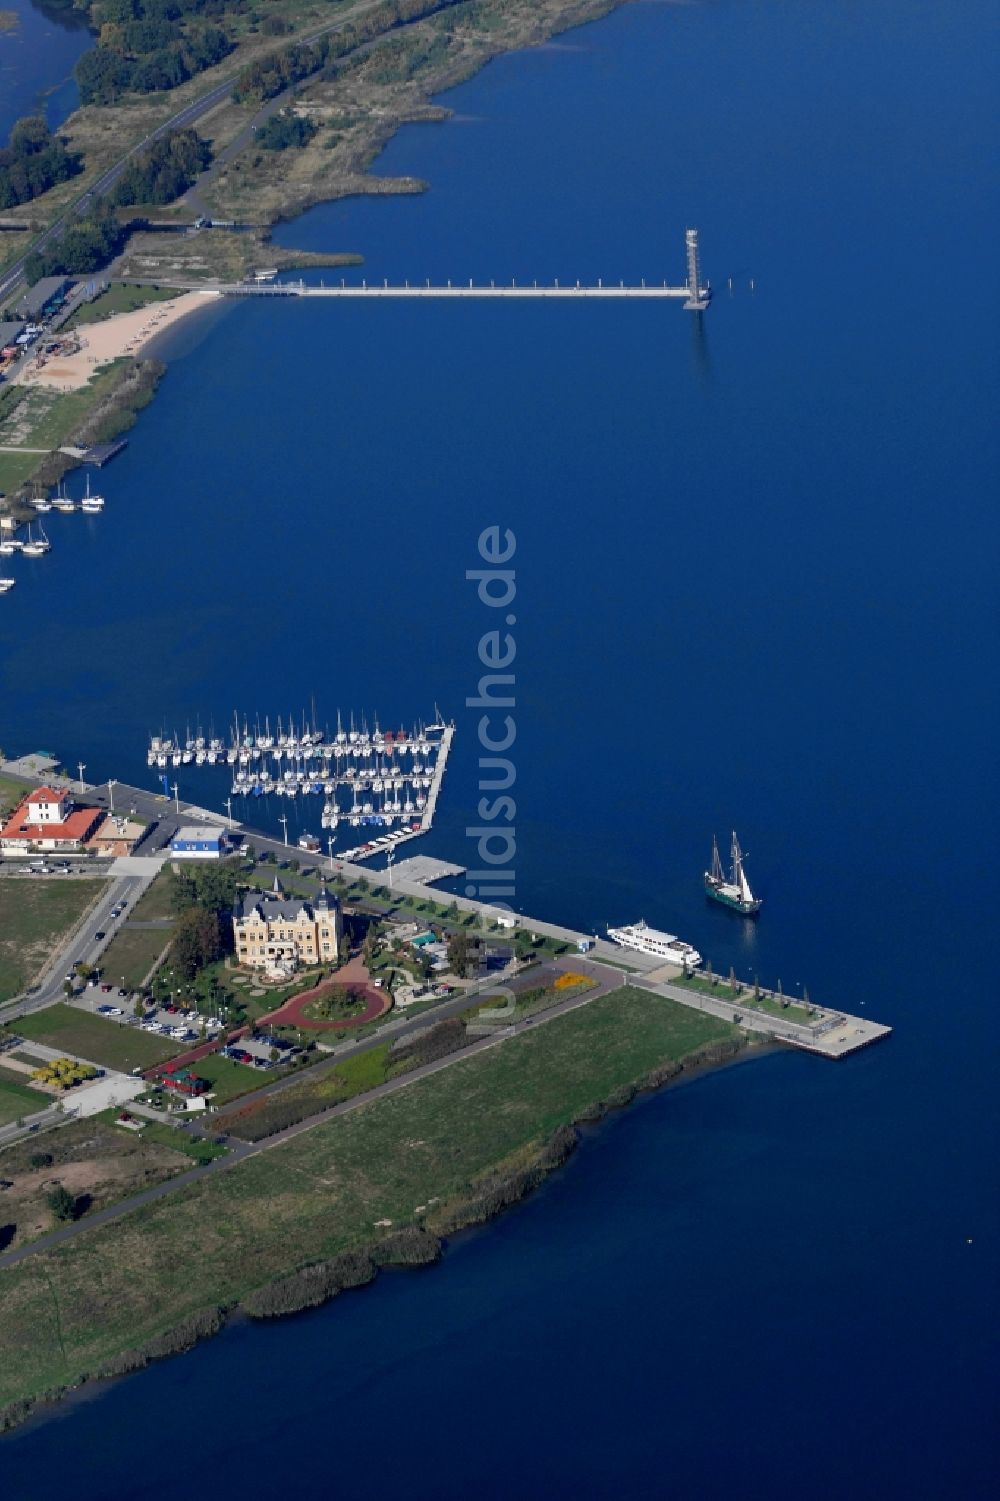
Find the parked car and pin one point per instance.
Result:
(106, 988)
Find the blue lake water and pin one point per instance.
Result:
(755, 575)
(36, 63)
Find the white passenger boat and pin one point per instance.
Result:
(642, 939)
(6, 584)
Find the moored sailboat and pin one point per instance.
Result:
(734, 892)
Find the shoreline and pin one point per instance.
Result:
(410, 1247)
(124, 335)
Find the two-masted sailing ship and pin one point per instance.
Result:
(734, 892)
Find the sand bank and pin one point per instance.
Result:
(100, 343)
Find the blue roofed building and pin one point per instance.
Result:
(199, 842)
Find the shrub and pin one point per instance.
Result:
(310, 1286)
(62, 1203)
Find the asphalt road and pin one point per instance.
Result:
(189, 115)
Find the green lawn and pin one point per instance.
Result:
(195, 1147)
(229, 1079)
(132, 953)
(34, 914)
(100, 1039)
(119, 298)
(788, 1011)
(155, 901)
(430, 1142)
(17, 1097)
(11, 793)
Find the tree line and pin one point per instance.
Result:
(164, 170)
(271, 75)
(86, 245)
(33, 161)
(148, 45)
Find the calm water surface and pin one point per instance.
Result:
(755, 587)
(36, 63)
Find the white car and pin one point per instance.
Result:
(115, 1011)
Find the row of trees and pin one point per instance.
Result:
(33, 161)
(271, 75)
(86, 245)
(164, 170)
(105, 73)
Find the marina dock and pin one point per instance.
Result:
(392, 777)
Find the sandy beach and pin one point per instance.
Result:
(100, 343)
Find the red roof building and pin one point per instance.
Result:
(48, 820)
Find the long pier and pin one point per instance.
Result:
(694, 293)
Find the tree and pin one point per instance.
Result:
(139, 1007)
(344, 948)
(285, 129)
(274, 1055)
(62, 1203)
(197, 941)
(212, 887)
(164, 170)
(68, 987)
(460, 954)
(370, 947)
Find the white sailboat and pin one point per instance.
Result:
(35, 547)
(91, 503)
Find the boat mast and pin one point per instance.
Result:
(739, 879)
(716, 860)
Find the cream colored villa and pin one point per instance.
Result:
(275, 932)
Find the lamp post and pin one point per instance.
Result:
(111, 793)
(229, 810)
(177, 800)
(389, 859)
(329, 846)
(81, 768)
(283, 820)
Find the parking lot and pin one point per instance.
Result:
(182, 1026)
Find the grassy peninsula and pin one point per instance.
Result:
(322, 1210)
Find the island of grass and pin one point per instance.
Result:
(292, 1224)
(35, 914)
(100, 1039)
(17, 1097)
